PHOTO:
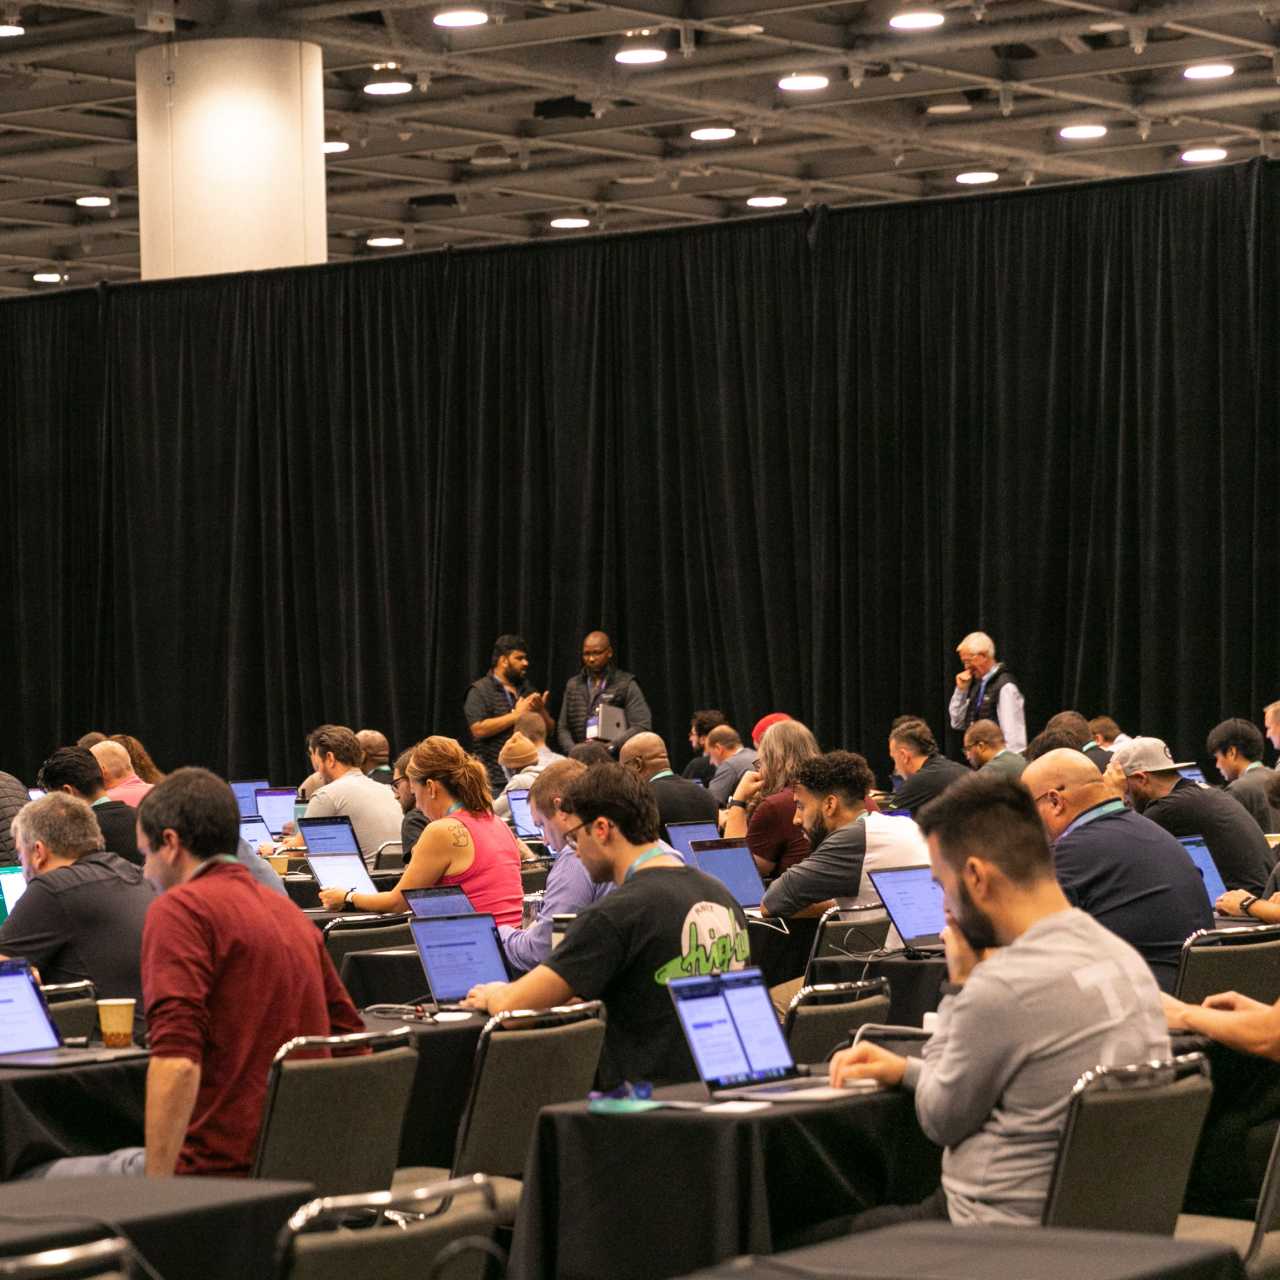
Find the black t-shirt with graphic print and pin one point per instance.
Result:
(662, 923)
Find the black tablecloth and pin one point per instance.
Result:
(186, 1228)
(993, 1253)
(914, 985)
(657, 1193)
(390, 976)
(69, 1111)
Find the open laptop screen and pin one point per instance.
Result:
(730, 862)
(913, 900)
(1205, 865)
(683, 834)
(13, 884)
(256, 832)
(458, 953)
(521, 818)
(1194, 774)
(36, 793)
(246, 795)
(447, 900)
(341, 871)
(275, 806)
(732, 1029)
(24, 1021)
(329, 835)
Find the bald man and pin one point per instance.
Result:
(377, 755)
(1132, 876)
(599, 683)
(117, 772)
(679, 800)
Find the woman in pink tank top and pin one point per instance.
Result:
(463, 844)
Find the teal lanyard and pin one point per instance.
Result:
(659, 852)
(226, 859)
(453, 808)
(666, 773)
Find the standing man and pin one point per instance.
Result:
(597, 683)
(496, 701)
(986, 690)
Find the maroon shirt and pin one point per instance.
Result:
(230, 971)
(773, 835)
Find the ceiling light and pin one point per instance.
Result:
(803, 82)
(977, 177)
(48, 277)
(1104, 27)
(641, 49)
(745, 29)
(387, 80)
(951, 104)
(385, 241)
(1208, 71)
(336, 146)
(94, 202)
(1204, 155)
(461, 15)
(11, 27)
(713, 133)
(766, 201)
(490, 155)
(570, 223)
(917, 17)
(1082, 132)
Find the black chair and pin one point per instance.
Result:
(444, 1230)
(533, 875)
(1246, 960)
(850, 932)
(73, 1006)
(821, 1019)
(368, 1087)
(105, 1259)
(388, 856)
(1133, 1126)
(366, 933)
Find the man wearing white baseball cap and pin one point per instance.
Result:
(1149, 774)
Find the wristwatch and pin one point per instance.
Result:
(1246, 902)
(735, 803)
(346, 898)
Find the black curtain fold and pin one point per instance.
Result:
(786, 464)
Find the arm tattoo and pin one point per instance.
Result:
(459, 837)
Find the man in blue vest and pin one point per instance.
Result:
(987, 690)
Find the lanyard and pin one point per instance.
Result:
(666, 773)
(1257, 764)
(658, 852)
(1098, 811)
(225, 859)
(453, 808)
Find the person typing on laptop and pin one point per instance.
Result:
(1041, 993)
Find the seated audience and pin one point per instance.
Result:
(139, 757)
(229, 972)
(1145, 768)
(916, 757)
(1045, 995)
(569, 889)
(731, 759)
(764, 724)
(763, 806)
(700, 769)
(1239, 1022)
(678, 799)
(259, 868)
(590, 753)
(377, 753)
(1131, 875)
(524, 755)
(985, 749)
(83, 910)
(664, 920)
(414, 821)
(118, 774)
(74, 771)
(91, 739)
(1077, 726)
(1236, 748)
(1052, 740)
(1107, 734)
(13, 795)
(463, 843)
(375, 816)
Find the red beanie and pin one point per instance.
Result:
(766, 722)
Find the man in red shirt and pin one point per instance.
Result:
(230, 971)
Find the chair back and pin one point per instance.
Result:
(533, 874)
(1268, 1215)
(1246, 960)
(105, 1259)
(1133, 1125)
(412, 1235)
(388, 856)
(821, 1018)
(850, 932)
(73, 1006)
(369, 1085)
(366, 933)
(525, 1061)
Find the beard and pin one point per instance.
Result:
(972, 922)
(817, 833)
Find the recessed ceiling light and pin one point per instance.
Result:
(952, 104)
(766, 202)
(335, 146)
(460, 16)
(570, 224)
(490, 155)
(643, 49)
(636, 179)
(1204, 155)
(1082, 132)
(10, 29)
(803, 82)
(385, 242)
(713, 133)
(387, 80)
(977, 177)
(917, 17)
(48, 277)
(745, 29)
(94, 202)
(1208, 71)
(1105, 27)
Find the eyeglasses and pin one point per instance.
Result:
(571, 836)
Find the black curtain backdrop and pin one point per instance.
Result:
(786, 464)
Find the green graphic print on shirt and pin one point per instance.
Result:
(712, 942)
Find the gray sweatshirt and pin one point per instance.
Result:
(832, 870)
(995, 1080)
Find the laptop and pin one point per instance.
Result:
(1194, 774)
(737, 1045)
(245, 793)
(458, 953)
(730, 862)
(913, 900)
(521, 818)
(340, 871)
(13, 884)
(256, 832)
(1205, 865)
(328, 835)
(29, 1036)
(36, 793)
(683, 834)
(275, 807)
(438, 900)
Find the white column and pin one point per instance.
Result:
(230, 156)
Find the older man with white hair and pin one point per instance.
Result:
(987, 690)
(117, 773)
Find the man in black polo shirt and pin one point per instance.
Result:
(75, 771)
(82, 913)
(497, 700)
(678, 799)
(915, 756)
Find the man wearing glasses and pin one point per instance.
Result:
(414, 822)
(1132, 876)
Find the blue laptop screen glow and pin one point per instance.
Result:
(256, 832)
(521, 818)
(24, 1025)
(447, 901)
(458, 952)
(913, 900)
(731, 1027)
(275, 806)
(328, 835)
(1206, 866)
(735, 869)
(1193, 774)
(683, 834)
(245, 795)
